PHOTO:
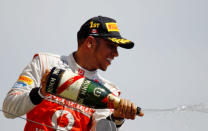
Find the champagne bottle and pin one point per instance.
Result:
(68, 85)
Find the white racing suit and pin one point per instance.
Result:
(52, 112)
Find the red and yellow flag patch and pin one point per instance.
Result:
(25, 79)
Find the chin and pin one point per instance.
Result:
(104, 68)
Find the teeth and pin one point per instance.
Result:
(109, 59)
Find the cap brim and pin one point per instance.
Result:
(122, 42)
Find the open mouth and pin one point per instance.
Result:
(109, 60)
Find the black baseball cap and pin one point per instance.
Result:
(106, 28)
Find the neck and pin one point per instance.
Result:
(84, 61)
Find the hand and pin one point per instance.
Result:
(44, 82)
(126, 109)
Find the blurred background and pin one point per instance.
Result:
(165, 73)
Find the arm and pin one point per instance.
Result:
(99, 114)
(23, 95)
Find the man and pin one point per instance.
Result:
(98, 40)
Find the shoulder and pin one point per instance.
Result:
(46, 54)
(113, 88)
(49, 60)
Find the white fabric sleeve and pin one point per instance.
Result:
(98, 115)
(18, 101)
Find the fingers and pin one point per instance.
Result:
(126, 109)
(44, 82)
(134, 110)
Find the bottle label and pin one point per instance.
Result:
(53, 80)
(83, 91)
(71, 90)
(70, 85)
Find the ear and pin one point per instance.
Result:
(90, 42)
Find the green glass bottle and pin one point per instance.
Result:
(66, 84)
(93, 94)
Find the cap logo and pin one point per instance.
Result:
(94, 31)
(112, 27)
(119, 41)
(94, 25)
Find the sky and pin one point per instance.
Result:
(165, 71)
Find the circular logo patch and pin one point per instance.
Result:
(62, 120)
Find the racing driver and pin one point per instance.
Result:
(98, 40)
